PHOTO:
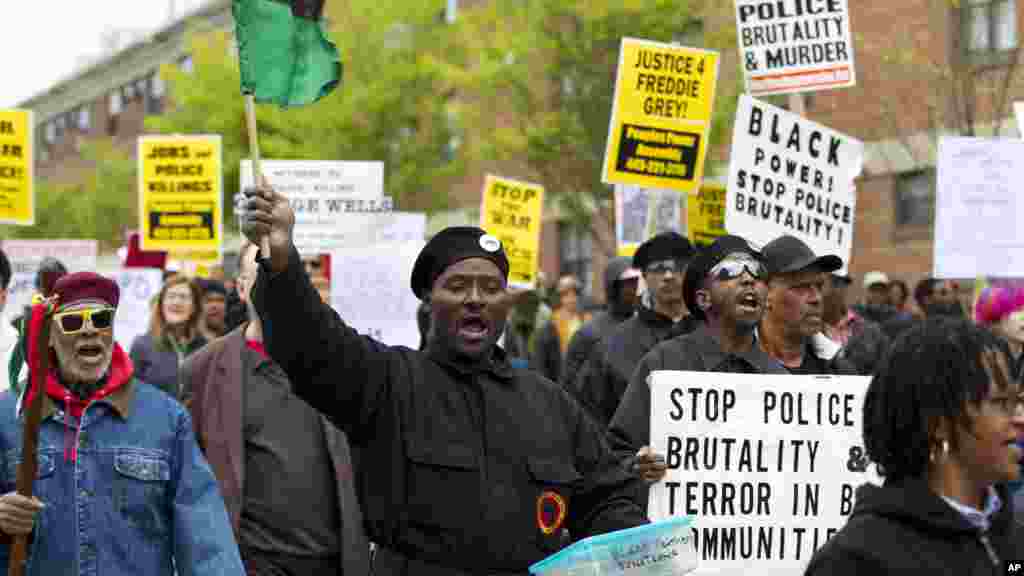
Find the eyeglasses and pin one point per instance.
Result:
(178, 296)
(74, 322)
(732, 268)
(665, 266)
(1007, 405)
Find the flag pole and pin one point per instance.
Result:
(254, 153)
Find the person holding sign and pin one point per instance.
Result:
(791, 329)
(725, 290)
(941, 419)
(469, 466)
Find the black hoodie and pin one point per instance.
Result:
(904, 528)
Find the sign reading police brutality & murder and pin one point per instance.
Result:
(181, 203)
(705, 214)
(766, 464)
(660, 117)
(511, 211)
(788, 175)
(17, 193)
(795, 45)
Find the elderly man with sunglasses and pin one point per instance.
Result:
(121, 487)
(724, 289)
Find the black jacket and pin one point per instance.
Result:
(605, 376)
(455, 462)
(904, 528)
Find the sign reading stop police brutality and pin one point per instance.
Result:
(17, 195)
(766, 464)
(657, 137)
(788, 175)
(180, 183)
(511, 211)
(795, 45)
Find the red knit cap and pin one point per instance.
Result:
(86, 286)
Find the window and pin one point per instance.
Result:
(85, 118)
(50, 133)
(114, 103)
(575, 255)
(915, 198)
(154, 92)
(989, 26)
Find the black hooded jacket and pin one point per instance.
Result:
(903, 528)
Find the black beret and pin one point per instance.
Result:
(210, 286)
(664, 246)
(450, 246)
(708, 259)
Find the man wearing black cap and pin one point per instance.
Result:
(467, 465)
(662, 315)
(791, 329)
(724, 289)
(212, 320)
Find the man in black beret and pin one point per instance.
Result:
(213, 318)
(467, 465)
(724, 289)
(661, 316)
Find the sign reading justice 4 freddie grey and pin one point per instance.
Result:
(657, 137)
(767, 465)
(788, 175)
(795, 45)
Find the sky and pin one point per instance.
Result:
(42, 45)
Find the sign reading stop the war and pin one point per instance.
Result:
(17, 194)
(511, 211)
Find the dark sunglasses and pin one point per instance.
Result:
(74, 322)
(734, 268)
(666, 266)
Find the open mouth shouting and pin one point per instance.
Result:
(748, 302)
(90, 353)
(473, 329)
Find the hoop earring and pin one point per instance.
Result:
(945, 448)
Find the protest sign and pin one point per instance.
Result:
(705, 216)
(795, 45)
(17, 189)
(328, 198)
(371, 293)
(766, 465)
(1018, 111)
(26, 255)
(789, 175)
(180, 198)
(511, 211)
(977, 209)
(641, 213)
(139, 287)
(661, 112)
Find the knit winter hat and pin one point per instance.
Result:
(997, 302)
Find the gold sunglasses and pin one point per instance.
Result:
(74, 322)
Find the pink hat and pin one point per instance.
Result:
(996, 302)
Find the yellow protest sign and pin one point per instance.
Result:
(661, 113)
(17, 193)
(180, 198)
(511, 211)
(705, 214)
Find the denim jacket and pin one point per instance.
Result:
(139, 499)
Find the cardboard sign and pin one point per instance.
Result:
(511, 211)
(977, 209)
(657, 137)
(139, 287)
(766, 465)
(641, 213)
(789, 175)
(180, 193)
(706, 214)
(795, 45)
(327, 196)
(17, 190)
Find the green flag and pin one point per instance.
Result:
(283, 52)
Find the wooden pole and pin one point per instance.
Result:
(254, 153)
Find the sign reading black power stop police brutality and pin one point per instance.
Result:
(788, 175)
(767, 465)
(180, 183)
(660, 117)
(795, 45)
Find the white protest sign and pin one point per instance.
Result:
(25, 257)
(328, 197)
(766, 465)
(139, 286)
(977, 209)
(789, 175)
(795, 45)
(641, 213)
(370, 291)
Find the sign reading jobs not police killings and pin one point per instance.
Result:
(795, 45)
(511, 211)
(661, 112)
(788, 175)
(17, 193)
(180, 184)
(767, 465)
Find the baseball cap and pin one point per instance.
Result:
(788, 254)
(875, 277)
